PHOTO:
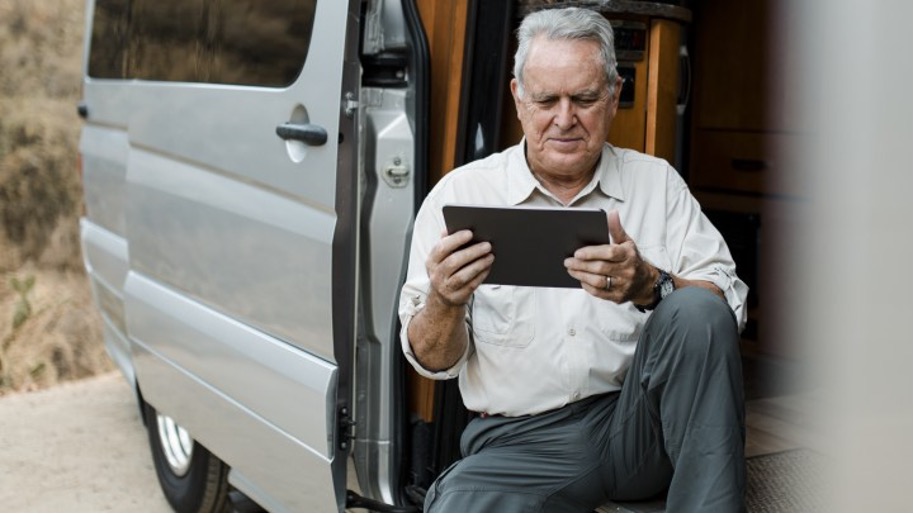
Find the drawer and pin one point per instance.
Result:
(749, 162)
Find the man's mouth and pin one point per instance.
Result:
(565, 140)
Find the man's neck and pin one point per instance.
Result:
(564, 188)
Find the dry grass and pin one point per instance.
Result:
(58, 336)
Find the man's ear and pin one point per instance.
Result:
(617, 93)
(515, 92)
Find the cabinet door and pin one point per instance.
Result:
(730, 64)
(745, 75)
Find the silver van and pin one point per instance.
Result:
(251, 171)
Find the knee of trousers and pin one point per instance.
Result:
(697, 320)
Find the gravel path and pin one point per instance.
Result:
(77, 447)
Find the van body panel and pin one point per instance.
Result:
(108, 101)
(105, 257)
(232, 129)
(248, 252)
(103, 151)
(104, 161)
(294, 478)
(245, 365)
(387, 220)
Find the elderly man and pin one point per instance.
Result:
(620, 390)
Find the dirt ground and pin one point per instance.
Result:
(76, 447)
(49, 331)
(71, 439)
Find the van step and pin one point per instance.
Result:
(356, 501)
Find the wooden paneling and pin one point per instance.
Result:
(628, 127)
(445, 26)
(731, 64)
(662, 89)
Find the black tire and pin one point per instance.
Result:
(195, 484)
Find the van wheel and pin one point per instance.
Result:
(192, 478)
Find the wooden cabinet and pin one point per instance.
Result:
(744, 136)
(744, 115)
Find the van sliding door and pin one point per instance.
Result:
(240, 293)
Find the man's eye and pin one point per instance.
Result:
(585, 101)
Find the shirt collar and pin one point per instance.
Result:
(522, 183)
(610, 173)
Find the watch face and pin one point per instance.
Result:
(666, 285)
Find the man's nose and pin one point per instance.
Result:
(565, 116)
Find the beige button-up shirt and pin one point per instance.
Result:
(534, 349)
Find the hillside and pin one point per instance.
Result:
(49, 330)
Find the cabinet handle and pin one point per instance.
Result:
(685, 80)
(748, 164)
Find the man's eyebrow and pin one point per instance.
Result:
(543, 95)
(588, 93)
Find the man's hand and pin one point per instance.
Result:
(438, 333)
(617, 265)
(454, 272)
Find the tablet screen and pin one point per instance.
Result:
(530, 244)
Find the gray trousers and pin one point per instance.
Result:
(677, 426)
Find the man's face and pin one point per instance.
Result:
(566, 109)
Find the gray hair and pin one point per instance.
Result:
(568, 23)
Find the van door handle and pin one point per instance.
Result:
(307, 133)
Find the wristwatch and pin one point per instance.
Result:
(662, 288)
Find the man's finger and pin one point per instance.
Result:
(470, 269)
(464, 256)
(448, 244)
(616, 233)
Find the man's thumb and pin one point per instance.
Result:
(616, 232)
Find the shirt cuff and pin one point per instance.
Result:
(735, 291)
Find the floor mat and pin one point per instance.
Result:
(788, 481)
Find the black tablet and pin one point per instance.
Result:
(530, 244)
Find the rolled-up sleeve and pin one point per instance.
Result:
(700, 251)
(426, 232)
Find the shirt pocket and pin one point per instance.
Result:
(503, 315)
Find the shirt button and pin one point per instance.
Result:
(571, 332)
(575, 395)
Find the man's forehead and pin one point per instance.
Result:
(550, 54)
(543, 44)
(556, 69)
